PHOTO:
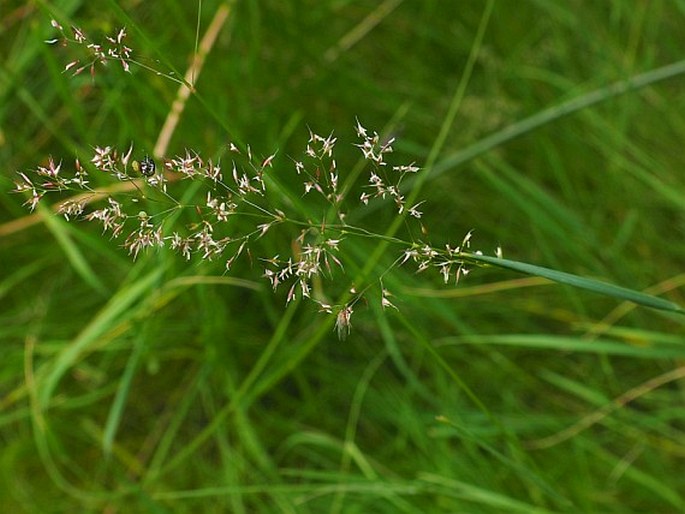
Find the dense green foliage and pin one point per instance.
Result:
(160, 385)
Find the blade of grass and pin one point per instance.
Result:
(41, 435)
(605, 408)
(178, 413)
(479, 495)
(642, 480)
(116, 411)
(61, 232)
(573, 344)
(119, 305)
(253, 386)
(555, 112)
(596, 286)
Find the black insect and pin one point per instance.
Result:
(147, 166)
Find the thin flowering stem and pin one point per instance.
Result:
(112, 48)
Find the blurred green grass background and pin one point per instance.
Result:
(185, 394)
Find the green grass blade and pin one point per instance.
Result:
(76, 258)
(119, 305)
(555, 112)
(117, 410)
(597, 286)
(479, 495)
(551, 342)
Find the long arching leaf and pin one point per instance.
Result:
(597, 286)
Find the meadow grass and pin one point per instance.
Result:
(160, 384)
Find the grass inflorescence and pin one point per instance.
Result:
(237, 247)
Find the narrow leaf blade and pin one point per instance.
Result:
(596, 286)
